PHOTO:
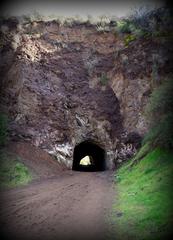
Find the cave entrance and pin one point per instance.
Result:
(88, 156)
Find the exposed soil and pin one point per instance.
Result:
(40, 163)
(73, 205)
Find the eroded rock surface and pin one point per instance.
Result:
(63, 85)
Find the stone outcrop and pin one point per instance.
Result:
(63, 85)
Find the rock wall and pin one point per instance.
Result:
(66, 84)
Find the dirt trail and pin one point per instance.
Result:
(72, 206)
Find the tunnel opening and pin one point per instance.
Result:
(88, 156)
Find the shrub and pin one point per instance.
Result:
(152, 21)
(159, 112)
(136, 24)
(140, 16)
(12, 171)
(3, 129)
(125, 26)
(104, 79)
(129, 38)
(145, 22)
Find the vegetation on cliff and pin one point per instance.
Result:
(143, 208)
(160, 114)
(13, 172)
(143, 205)
(146, 24)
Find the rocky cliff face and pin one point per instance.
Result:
(66, 84)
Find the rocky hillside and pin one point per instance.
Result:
(63, 84)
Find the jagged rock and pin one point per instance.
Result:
(52, 90)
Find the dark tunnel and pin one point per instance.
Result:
(95, 153)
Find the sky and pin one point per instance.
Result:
(82, 8)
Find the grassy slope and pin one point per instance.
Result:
(12, 172)
(143, 208)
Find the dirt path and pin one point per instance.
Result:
(72, 206)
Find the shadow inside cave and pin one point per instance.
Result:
(91, 150)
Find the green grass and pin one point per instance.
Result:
(13, 173)
(143, 206)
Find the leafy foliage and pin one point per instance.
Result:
(3, 129)
(151, 21)
(129, 39)
(125, 26)
(160, 114)
(146, 23)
